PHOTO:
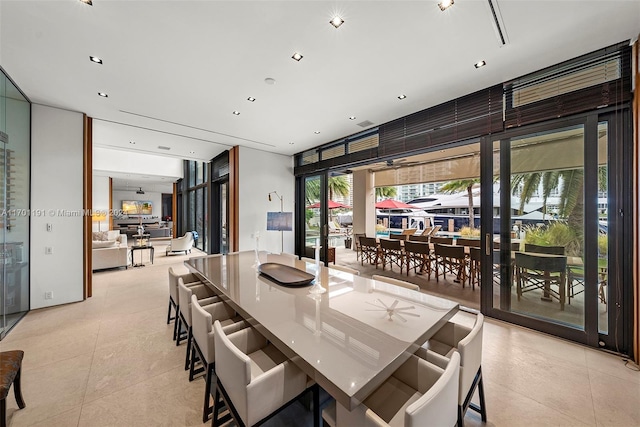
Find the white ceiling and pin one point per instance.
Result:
(175, 70)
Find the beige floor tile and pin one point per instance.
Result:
(51, 390)
(508, 408)
(127, 362)
(133, 326)
(616, 402)
(168, 399)
(612, 365)
(557, 384)
(66, 419)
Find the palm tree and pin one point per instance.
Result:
(386, 192)
(571, 204)
(461, 185)
(338, 185)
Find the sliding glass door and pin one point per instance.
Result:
(548, 251)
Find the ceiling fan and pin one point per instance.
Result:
(139, 191)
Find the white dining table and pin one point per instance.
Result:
(349, 338)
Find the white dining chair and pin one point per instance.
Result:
(189, 279)
(396, 282)
(417, 394)
(203, 344)
(457, 338)
(255, 379)
(206, 297)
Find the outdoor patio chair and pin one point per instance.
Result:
(392, 253)
(441, 240)
(552, 250)
(356, 242)
(542, 272)
(451, 259)
(419, 238)
(471, 243)
(419, 257)
(369, 251)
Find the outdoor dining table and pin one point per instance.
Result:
(349, 337)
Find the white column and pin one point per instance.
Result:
(364, 198)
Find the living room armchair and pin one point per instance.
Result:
(184, 243)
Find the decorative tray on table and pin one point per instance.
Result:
(286, 275)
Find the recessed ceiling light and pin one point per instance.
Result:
(237, 113)
(336, 21)
(95, 59)
(251, 99)
(102, 94)
(445, 4)
(352, 118)
(403, 96)
(480, 64)
(270, 81)
(297, 56)
(89, 2)
(316, 132)
(132, 142)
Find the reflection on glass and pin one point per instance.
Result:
(224, 244)
(603, 230)
(312, 215)
(547, 216)
(14, 196)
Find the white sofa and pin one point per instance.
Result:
(109, 250)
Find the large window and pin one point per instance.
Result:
(195, 210)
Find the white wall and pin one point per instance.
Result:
(260, 173)
(105, 159)
(56, 184)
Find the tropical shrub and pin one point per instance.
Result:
(469, 232)
(557, 233)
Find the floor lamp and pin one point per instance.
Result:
(99, 217)
(281, 210)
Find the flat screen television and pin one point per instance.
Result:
(279, 221)
(137, 207)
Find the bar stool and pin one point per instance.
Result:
(205, 296)
(255, 379)
(204, 344)
(189, 279)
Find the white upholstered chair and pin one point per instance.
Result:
(184, 243)
(417, 394)
(203, 344)
(189, 279)
(452, 338)
(396, 282)
(206, 297)
(254, 378)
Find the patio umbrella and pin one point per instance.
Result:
(394, 204)
(331, 205)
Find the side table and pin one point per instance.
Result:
(138, 248)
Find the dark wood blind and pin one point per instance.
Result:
(591, 81)
(470, 116)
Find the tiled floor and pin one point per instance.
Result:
(110, 361)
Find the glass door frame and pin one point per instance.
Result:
(620, 230)
(301, 248)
